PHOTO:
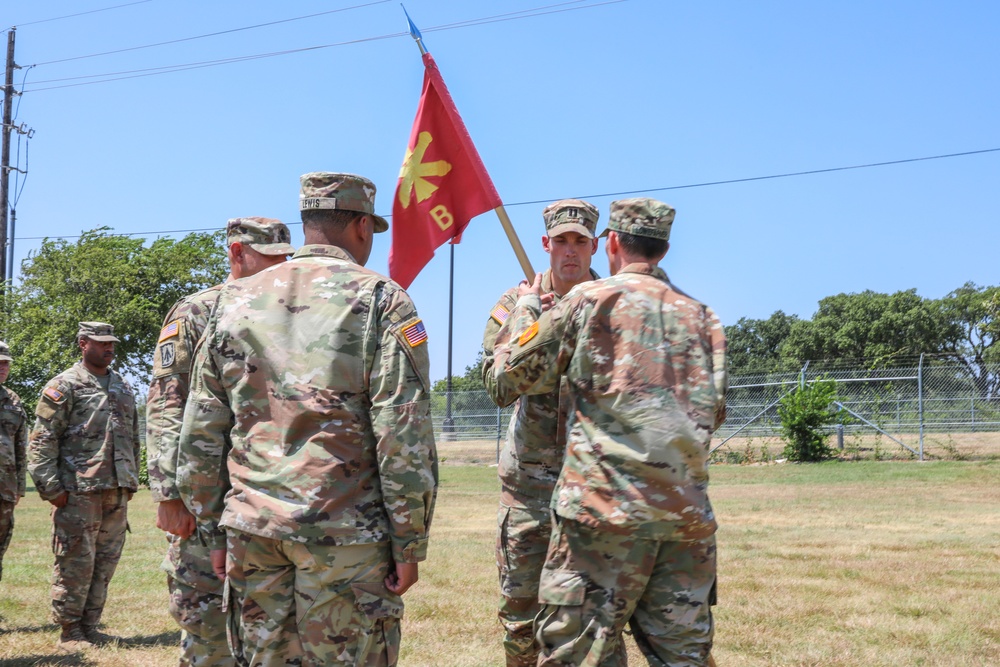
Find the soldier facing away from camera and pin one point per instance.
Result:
(633, 543)
(13, 447)
(253, 244)
(532, 455)
(307, 451)
(83, 456)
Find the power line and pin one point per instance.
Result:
(167, 69)
(92, 11)
(211, 34)
(868, 165)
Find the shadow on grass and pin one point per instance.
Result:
(71, 660)
(48, 627)
(172, 638)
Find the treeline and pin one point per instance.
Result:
(105, 277)
(877, 330)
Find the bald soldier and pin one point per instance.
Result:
(13, 448)
(253, 244)
(83, 456)
(307, 452)
(533, 452)
(634, 537)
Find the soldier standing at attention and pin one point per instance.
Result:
(83, 456)
(634, 535)
(533, 454)
(254, 244)
(13, 444)
(307, 454)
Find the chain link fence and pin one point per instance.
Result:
(917, 408)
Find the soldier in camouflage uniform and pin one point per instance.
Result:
(634, 535)
(307, 442)
(195, 591)
(83, 456)
(13, 444)
(533, 453)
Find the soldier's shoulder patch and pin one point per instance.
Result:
(415, 333)
(528, 334)
(500, 314)
(169, 331)
(54, 395)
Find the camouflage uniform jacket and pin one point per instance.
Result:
(646, 371)
(84, 439)
(13, 445)
(536, 437)
(168, 391)
(313, 376)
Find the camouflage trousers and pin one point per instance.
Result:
(308, 605)
(596, 582)
(196, 604)
(522, 541)
(6, 528)
(87, 539)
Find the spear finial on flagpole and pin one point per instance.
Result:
(414, 32)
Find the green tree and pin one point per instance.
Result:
(872, 326)
(974, 315)
(754, 346)
(804, 414)
(106, 277)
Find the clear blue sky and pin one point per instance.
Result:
(604, 98)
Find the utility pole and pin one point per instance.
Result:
(8, 97)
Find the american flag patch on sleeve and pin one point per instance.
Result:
(415, 334)
(500, 314)
(169, 331)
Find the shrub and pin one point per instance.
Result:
(804, 413)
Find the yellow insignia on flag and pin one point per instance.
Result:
(54, 394)
(528, 334)
(500, 314)
(170, 331)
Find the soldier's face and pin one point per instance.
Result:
(98, 353)
(4, 371)
(570, 255)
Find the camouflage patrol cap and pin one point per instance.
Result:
(99, 331)
(343, 192)
(641, 217)
(265, 235)
(5, 352)
(571, 215)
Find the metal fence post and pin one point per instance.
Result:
(802, 376)
(920, 402)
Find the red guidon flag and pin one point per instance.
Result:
(442, 185)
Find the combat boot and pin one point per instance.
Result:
(98, 638)
(72, 639)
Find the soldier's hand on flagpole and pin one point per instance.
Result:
(548, 300)
(534, 288)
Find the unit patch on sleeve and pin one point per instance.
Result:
(170, 331)
(528, 334)
(500, 314)
(415, 334)
(168, 354)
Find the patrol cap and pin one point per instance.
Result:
(265, 235)
(5, 352)
(641, 216)
(571, 215)
(102, 332)
(342, 192)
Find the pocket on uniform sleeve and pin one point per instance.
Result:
(563, 588)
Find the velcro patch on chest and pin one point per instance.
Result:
(500, 314)
(528, 334)
(169, 331)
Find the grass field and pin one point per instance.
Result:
(838, 564)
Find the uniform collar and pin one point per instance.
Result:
(319, 250)
(547, 281)
(646, 269)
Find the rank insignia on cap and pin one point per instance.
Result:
(528, 334)
(169, 331)
(54, 394)
(500, 314)
(415, 334)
